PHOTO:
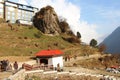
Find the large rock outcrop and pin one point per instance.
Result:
(47, 21)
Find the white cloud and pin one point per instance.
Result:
(72, 13)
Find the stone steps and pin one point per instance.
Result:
(22, 73)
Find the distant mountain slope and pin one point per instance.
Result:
(112, 42)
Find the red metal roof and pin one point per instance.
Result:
(115, 67)
(49, 53)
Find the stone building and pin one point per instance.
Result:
(50, 57)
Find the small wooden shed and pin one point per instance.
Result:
(50, 57)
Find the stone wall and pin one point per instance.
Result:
(20, 75)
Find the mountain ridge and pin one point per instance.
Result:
(112, 41)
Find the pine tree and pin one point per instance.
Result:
(93, 43)
(78, 35)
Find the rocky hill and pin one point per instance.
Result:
(47, 21)
(27, 40)
(112, 42)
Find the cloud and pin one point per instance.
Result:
(72, 13)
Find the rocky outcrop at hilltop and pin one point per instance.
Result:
(47, 21)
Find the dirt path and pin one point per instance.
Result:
(86, 70)
(72, 60)
(27, 60)
(4, 75)
(12, 59)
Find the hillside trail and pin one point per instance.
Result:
(72, 60)
(80, 68)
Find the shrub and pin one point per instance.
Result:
(72, 40)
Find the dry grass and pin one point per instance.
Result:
(4, 75)
(26, 41)
(107, 61)
(16, 58)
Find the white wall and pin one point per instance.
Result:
(25, 22)
(1, 1)
(50, 61)
(1, 10)
(57, 60)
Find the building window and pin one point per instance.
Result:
(19, 11)
(1, 5)
(8, 17)
(19, 15)
(13, 14)
(1, 10)
(8, 13)
(13, 19)
(20, 6)
(11, 9)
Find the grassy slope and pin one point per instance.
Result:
(23, 40)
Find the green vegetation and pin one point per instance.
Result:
(93, 43)
(26, 40)
(78, 35)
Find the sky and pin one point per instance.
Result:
(94, 19)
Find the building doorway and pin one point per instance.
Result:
(45, 61)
